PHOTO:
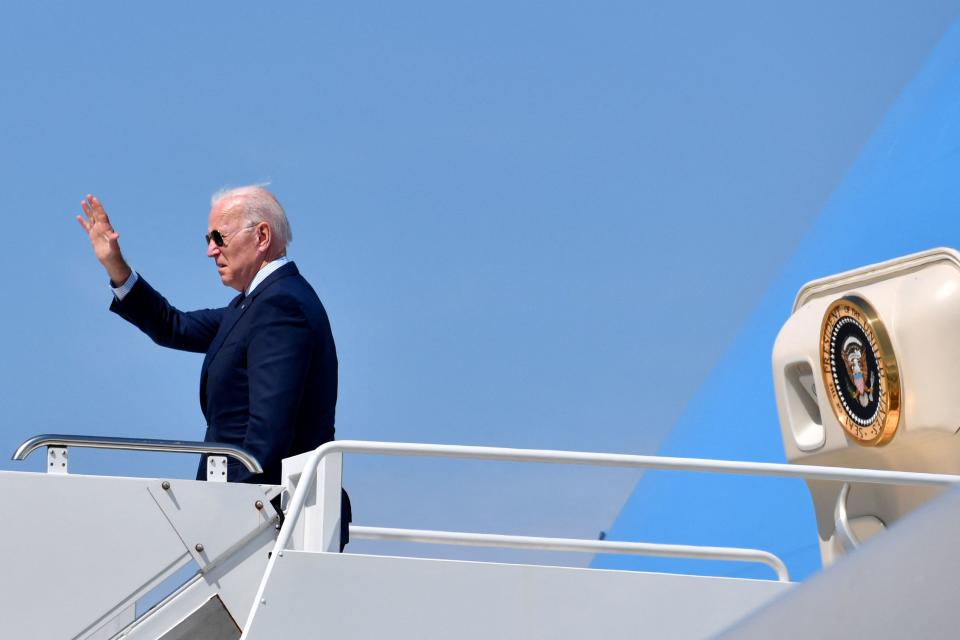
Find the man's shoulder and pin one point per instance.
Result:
(291, 285)
(291, 293)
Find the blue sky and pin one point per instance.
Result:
(532, 224)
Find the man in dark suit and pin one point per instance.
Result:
(269, 378)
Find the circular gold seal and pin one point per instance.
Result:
(860, 371)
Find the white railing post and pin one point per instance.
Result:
(316, 524)
(322, 514)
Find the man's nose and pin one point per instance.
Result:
(212, 249)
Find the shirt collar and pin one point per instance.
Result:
(265, 271)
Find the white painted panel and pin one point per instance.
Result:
(900, 584)
(214, 515)
(81, 546)
(351, 596)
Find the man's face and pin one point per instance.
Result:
(239, 259)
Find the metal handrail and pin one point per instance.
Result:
(574, 544)
(841, 522)
(138, 444)
(841, 525)
(770, 469)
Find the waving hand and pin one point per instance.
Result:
(104, 239)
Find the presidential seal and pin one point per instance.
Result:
(860, 371)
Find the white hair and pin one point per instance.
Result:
(259, 205)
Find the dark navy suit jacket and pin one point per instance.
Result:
(269, 379)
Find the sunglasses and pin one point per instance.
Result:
(219, 238)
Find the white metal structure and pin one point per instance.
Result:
(917, 299)
(227, 530)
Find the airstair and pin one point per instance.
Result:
(98, 558)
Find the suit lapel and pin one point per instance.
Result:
(237, 306)
(236, 309)
(233, 312)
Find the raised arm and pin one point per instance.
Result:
(142, 305)
(104, 239)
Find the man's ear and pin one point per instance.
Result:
(264, 236)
